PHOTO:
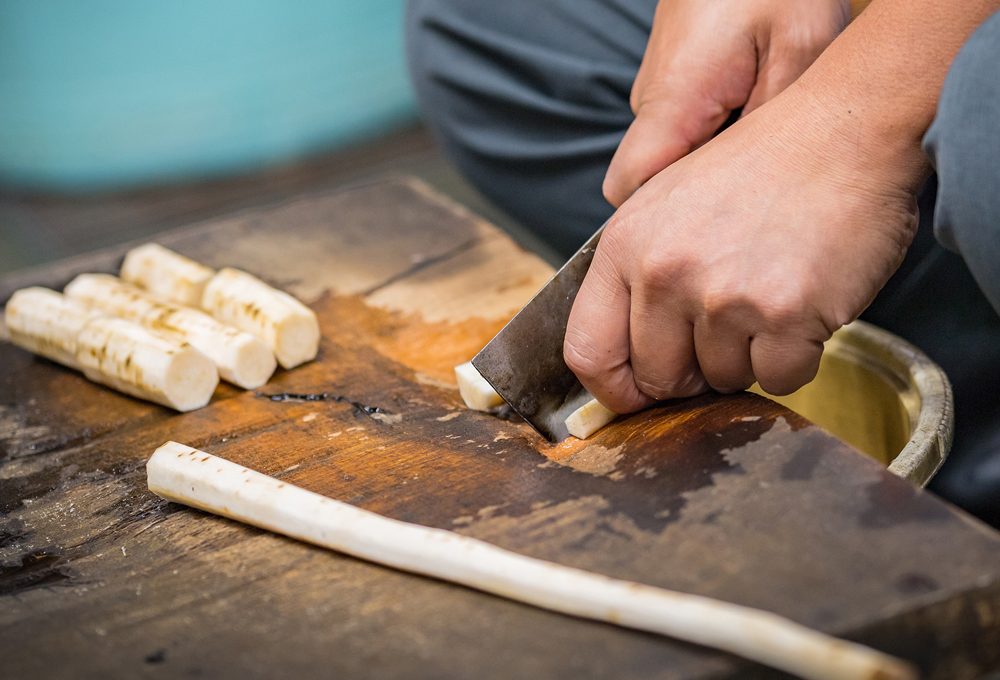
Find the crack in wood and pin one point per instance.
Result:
(424, 264)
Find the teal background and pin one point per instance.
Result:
(101, 94)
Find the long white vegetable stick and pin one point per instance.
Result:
(133, 360)
(242, 358)
(186, 475)
(242, 300)
(476, 391)
(589, 418)
(47, 323)
(166, 274)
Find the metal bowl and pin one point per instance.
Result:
(884, 396)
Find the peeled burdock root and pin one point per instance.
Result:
(285, 324)
(114, 352)
(146, 336)
(477, 393)
(232, 296)
(46, 323)
(185, 475)
(166, 274)
(241, 358)
(124, 355)
(589, 418)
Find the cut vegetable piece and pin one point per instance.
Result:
(47, 323)
(186, 475)
(166, 274)
(241, 358)
(124, 355)
(588, 419)
(285, 324)
(475, 389)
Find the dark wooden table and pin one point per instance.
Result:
(732, 497)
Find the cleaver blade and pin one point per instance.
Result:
(524, 361)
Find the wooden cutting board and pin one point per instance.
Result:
(732, 497)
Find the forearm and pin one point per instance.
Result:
(878, 84)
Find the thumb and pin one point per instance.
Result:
(781, 65)
(770, 82)
(663, 132)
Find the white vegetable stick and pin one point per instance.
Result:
(166, 274)
(242, 300)
(186, 475)
(474, 388)
(241, 358)
(131, 359)
(47, 323)
(589, 418)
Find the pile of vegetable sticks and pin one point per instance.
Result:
(168, 329)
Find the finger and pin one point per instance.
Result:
(783, 364)
(722, 345)
(596, 347)
(664, 364)
(662, 133)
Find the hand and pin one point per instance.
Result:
(737, 262)
(706, 58)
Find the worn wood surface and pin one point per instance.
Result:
(732, 497)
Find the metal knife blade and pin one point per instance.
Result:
(524, 361)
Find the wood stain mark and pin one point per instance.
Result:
(16, 490)
(358, 407)
(44, 567)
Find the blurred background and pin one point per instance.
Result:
(122, 118)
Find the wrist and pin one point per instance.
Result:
(862, 138)
(875, 89)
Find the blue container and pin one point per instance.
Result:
(109, 94)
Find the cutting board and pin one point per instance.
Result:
(733, 497)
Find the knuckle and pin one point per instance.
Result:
(615, 239)
(721, 300)
(582, 355)
(783, 307)
(657, 389)
(661, 270)
(665, 388)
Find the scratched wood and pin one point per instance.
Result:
(728, 496)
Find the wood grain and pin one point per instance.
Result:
(728, 496)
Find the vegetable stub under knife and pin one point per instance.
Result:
(185, 475)
(479, 395)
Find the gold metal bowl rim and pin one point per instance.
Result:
(923, 388)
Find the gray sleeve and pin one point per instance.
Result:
(530, 98)
(963, 144)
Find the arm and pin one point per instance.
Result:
(706, 59)
(738, 261)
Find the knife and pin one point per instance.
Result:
(524, 361)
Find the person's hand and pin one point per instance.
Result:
(737, 262)
(706, 58)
